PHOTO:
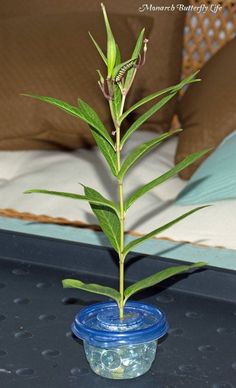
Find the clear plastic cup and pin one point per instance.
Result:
(120, 349)
(123, 362)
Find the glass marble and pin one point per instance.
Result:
(123, 362)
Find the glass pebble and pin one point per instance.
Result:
(110, 359)
(150, 351)
(95, 358)
(124, 362)
(129, 356)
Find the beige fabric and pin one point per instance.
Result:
(21, 170)
(208, 109)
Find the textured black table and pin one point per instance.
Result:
(37, 349)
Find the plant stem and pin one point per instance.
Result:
(121, 203)
(121, 306)
(122, 103)
(122, 220)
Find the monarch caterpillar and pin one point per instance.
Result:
(123, 70)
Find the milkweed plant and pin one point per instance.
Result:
(111, 215)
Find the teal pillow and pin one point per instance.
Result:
(215, 179)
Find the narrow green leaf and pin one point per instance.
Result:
(91, 117)
(94, 288)
(107, 150)
(96, 201)
(145, 116)
(118, 55)
(138, 44)
(111, 44)
(189, 79)
(139, 240)
(175, 89)
(84, 112)
(107, 218)
(100, 134)
(98, 49)
(72, 110)
(116, 101)
(97, 198)
(141, 150)
(159, 277)
(167, 175)
(145, 100)
(135, 55)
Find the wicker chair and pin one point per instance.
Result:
(206, 33)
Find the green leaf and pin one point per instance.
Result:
(118, 55)
(175, 89)
(141, 150)
(159, 277)
(98, 49)
(91, 117)
(167, 175)
(135, 55)
(138, 45)
(84, 112)
(188, 80)
(72, 110)
(97, 198)
(144, 101)
(107, 218)
(100, 134)
(116, 101)
(145, 116)
(111, 44)
(96, 201)
(107, 150)
(139, 240)
(94, 288)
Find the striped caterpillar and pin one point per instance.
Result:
(123, 70)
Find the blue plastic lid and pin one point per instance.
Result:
(99, 324)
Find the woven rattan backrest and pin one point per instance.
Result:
(205, 33)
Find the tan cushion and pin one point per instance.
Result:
(46, 50)
(208, 109)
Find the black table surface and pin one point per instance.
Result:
(37, 349)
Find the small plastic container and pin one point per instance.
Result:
(120, 349)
